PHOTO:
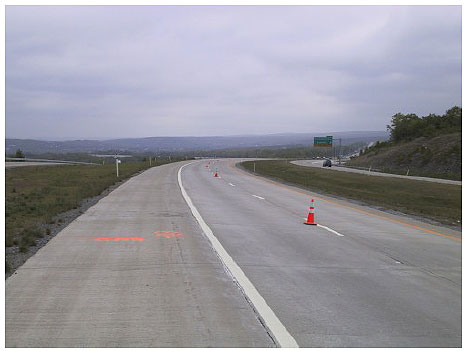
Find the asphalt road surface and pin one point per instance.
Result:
(319, 163)
(363, 278)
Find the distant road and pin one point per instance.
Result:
(22, 164)
(319, 164)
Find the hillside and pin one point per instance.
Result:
(160, 145)
(429, 146)
(439, 157)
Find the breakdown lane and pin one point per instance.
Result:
(381, 284)
(133, 271)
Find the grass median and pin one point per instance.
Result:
(440, 202)
(34, 195)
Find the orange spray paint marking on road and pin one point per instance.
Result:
(168, 234)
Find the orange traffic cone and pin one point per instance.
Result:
(311, 214)
(216, 174)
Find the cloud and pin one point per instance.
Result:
(113, 71)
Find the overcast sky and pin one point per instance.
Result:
(136, 71)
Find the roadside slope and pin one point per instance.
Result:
(439, 157)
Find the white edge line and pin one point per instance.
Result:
(259, 197)
(269, 318)
(330, 230)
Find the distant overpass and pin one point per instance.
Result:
(41, 160)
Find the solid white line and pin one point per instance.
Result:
(269, 318)
(231, 184)
(259, 197)
(330, 230)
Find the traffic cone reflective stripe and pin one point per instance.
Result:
(311, 214)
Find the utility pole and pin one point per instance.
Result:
(336, 154)
(150, 161)
(340, 150)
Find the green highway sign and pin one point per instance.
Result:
(323, 141)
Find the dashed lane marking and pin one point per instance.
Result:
(293, 189)
(259, 197)
(330, 230)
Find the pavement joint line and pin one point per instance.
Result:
(329, 230)
(259, 197)
(271, 322)
(289, 187)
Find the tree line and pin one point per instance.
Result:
(406, 127)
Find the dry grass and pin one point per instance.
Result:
(35, 195)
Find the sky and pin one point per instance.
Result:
(140, 71)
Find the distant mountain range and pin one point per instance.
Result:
(179, 144)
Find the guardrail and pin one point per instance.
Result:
(54, 161)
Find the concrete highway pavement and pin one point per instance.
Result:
(136, 270)
(319, 164)
(384, 281)
(133, 271)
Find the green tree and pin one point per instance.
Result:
(453, 117)
(405, 127)
(19, 154)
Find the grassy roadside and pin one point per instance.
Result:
(35, 195)
(440, 202)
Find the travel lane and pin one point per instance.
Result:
(383, 284)
(398, 236)
(167, 289)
